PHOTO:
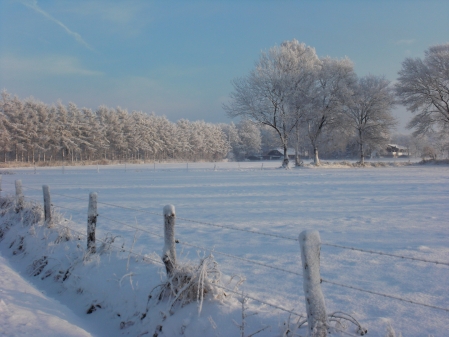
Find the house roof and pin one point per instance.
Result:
(399, 147)
(290, 151)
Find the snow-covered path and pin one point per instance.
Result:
(25, 311)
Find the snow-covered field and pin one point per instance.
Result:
(399, 210)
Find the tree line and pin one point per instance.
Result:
(33, 131)
(301, 96)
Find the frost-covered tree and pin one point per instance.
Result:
(233, 139)
(333, 82)
(5, 136)
(265, 95)
(368, 113)
(423, 87)
(250, 139)
(184, 148)
(12, 108)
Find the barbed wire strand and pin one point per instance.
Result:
(110, 244)
(344, 332)
(239, 258)
(54, 193)
(106, 218)
(103, 217)
(100, 202)
(237, 229)
(382, 253)
(259, 300)
(131, 226)
(385, 295)
(130, 209)
(53, 205)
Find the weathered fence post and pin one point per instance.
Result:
(91, 222)
(19, 196)
(310, 244)
(47, 205)
(169, 252)
(0, 185)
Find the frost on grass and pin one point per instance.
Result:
(189, 283)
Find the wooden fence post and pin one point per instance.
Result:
(19, 196)
(310, 244)
(0, 185)
(47, 205)
(169, 252)
(91, 222)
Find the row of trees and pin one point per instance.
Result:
(295, 93)
(33, 131)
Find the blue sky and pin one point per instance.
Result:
(177, 58)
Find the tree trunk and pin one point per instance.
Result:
(285, 162)
(362, 155)
(316, 159)
(362, 152)
(297, 158)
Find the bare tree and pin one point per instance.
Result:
(368, 112)
(423, 87)
(265, 95)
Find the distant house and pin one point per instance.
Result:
(394, 150)
(279, 154)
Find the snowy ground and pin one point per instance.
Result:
(25, 311)
(400, 210)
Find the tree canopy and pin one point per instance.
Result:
(423, 87)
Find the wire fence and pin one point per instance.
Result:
(249, 261)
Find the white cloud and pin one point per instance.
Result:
(33, 5)
(12, 65)
(406, 41)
